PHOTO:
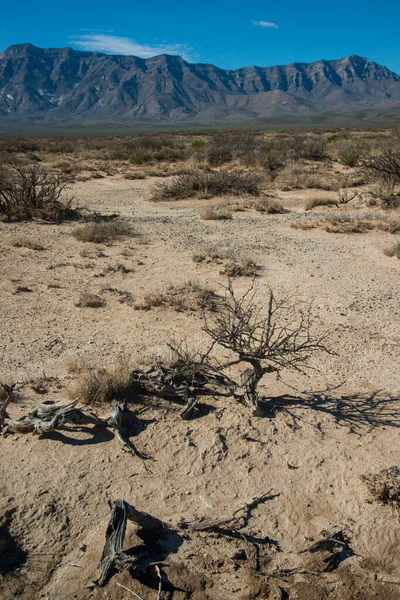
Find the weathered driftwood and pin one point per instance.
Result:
(240, 514)
(327, 543)
(113, 557)
(9, 389)
(118, 420)
(192, 402)
(45, 418)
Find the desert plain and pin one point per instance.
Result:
(302, 465)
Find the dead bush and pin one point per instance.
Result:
(190, 296)
(28, 193)
(268, 206)
(393, 250)
(348, 223)
(320, 200)
(25, 242)
(89, 300)
(206, 184)
(99, 232)
(216, 213)
(136, 175)
(245, 267)
(118, 267)
(304, 223)
(99, 384)
(269, 338)
(385, 486)
(198, 258)
(384, 166)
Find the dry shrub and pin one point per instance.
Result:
(66, 167)
(98, 384)
(136, 175)
(320, 200)
(100, 232)
(351, 223)
(217, 256)
(118, 267)
(158, 172)
(216, 213)
(28, 193)
(89, 300)
(348, 223)
(268, 206)
(295, 176)
(385, 486)
(198, 258)
(246, 267)
(304, 223)
(190, 296)
(25, 242)
(349, 152)
(360, 223)
(391, 225)
(124, 297)
(393, 250)
(206, 184)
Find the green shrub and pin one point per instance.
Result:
(140, 157)
(349, 153)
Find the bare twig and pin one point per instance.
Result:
(129, 590)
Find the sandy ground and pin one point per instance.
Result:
(309, 457)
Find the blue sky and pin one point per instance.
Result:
(229, 34)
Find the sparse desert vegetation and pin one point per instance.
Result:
(207, 184)
(210, 335)
(100, 232)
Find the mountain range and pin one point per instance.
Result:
(62, 85)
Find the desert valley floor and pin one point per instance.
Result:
(340, 423)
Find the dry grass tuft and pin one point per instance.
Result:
(347, 222)
(118, 267)
(393, 250)
(320, 200)
(190, 296)
(245, 267)
(135, 175)
(98, 384)
(385, 486)
(25, 242)
(198, 258)
(304, 223)
(216, 213)
(356, 223)
(268, 206)
(89, 300)
(103, 231)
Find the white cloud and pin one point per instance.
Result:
(113, 44)
(265, 24)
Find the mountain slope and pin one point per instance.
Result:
(65, 85)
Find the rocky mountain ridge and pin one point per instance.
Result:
(63, 85)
